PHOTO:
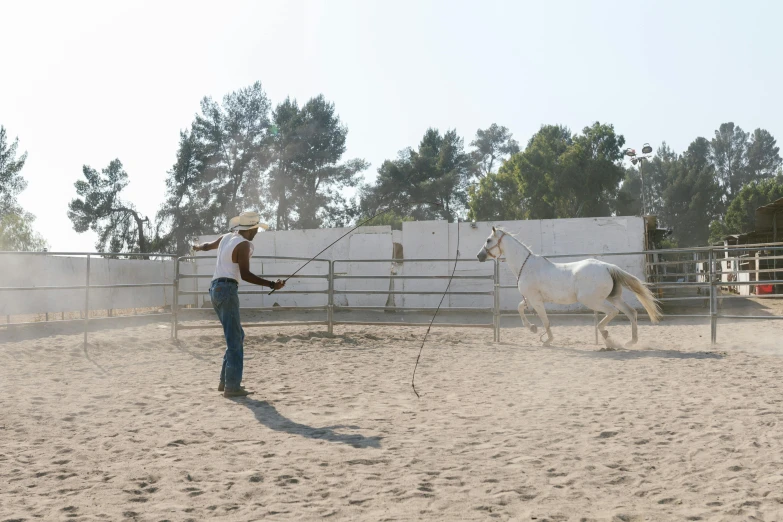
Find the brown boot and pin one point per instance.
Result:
(239, 392)
(221, 386)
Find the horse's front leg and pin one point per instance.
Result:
(538, 306)
(521, 310)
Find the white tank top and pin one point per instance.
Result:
(225, 267)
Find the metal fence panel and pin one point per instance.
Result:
(714, 277)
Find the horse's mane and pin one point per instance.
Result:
(514, 237)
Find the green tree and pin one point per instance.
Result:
(16, 225)
(492, 146)
(306, 179)
(541, 173)
(558, 175)
(741, 214)
(219, 168)
(629, 202)
(763, 156)
(439, 171)
(239, 156)
(498, 196)
(11, 181)
(655, 177)
(231, 140)
(592, 174)
(717, 231)
(120, 227)
(178, 221)
(691, 200)
(737, 161)
(729, 154)
(17, 234)
(286, 147)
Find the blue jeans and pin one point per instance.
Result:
(225, 301)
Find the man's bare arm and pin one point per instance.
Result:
(242, 255)
(212, 245)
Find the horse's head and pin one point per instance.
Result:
(493, 247)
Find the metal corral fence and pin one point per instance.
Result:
(705, 275)
(702, 276)
(87, 286)
(331, 276)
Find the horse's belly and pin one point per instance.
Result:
(563, 296)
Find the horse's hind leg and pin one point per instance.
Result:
(538, 306)
(521, 310)
(630, 313)
(611, 312)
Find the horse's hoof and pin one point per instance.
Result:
(631, 343)
(547, 344)
(534, 328)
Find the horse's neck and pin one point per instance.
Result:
(516, 253)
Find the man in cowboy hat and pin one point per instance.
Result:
(233, 262)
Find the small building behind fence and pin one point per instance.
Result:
(756, 263)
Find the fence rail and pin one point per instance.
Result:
(707, 256)
(710, 281)
(88, 256)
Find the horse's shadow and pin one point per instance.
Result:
(267, 415)
(631, 354)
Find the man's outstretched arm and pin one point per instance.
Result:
(212, 245)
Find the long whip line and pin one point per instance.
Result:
(445, 292)
(442, 298)
(339, 238)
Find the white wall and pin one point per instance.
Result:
(424, 240)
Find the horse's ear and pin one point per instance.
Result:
(493, 230)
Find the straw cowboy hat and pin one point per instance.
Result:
(246, 221)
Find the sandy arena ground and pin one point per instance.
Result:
(133, 429)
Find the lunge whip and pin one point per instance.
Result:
(339, 238)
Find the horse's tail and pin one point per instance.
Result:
(648, 300)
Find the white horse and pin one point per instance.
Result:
(595, 284)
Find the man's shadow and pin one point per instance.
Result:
(267, 415)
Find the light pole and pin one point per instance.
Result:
(645, 155)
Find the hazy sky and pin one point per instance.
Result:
(87, 82)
